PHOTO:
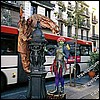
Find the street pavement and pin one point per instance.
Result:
(79, 91)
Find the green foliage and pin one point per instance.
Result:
(94, 8)
(65, 22)
(56, 14)
(62, 6)
(75, 37)
(75, 17)
(94, 57)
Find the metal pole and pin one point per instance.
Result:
(74, 77)
(70, 75)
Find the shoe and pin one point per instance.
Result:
(55, 92)
(62, 90)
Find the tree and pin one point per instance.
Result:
(78, 19)
(75, 19)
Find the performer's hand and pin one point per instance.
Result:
(29, 39)
(63, 54)
(45, 49)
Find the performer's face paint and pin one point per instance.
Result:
(61, 43)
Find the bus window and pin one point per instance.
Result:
(85, 50)
(8, 44)
(51, 45)
(72, 51)
(90, 50)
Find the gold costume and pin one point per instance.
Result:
(24, 32)
(23, 48)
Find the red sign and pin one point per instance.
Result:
(71, 59)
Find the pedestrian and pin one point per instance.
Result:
(59, 65)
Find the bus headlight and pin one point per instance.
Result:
(13, 75)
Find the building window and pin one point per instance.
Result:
(69, 14)
(87, 11)
(9, 17)
(69, 2)
(94, 43)
(88, 23)
(75, 30)
(33, 8)
(87, 33)
(92, 16)
(61, 25)
(47, 12)
(93, 30)
(69, 31)
(82, 34)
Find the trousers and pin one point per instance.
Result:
(25, 60)
(59, 78)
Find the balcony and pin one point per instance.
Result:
(89, 38)
(88, 26)
(70, 7)
(95, 37)
(60, 19)
(47, 3)
(85, 25)
(11, 4)
(44, 3)
(86, 14)
(94, 21)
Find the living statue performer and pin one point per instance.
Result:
(25, 30)
(59, 65)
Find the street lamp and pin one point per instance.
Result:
(36, 88)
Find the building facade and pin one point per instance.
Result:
(86, 31)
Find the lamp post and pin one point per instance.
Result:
(36, 88)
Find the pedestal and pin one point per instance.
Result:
(57, 96)
(36, 88)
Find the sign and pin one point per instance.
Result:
(71, 59)
(41, 10)
(27, 9)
